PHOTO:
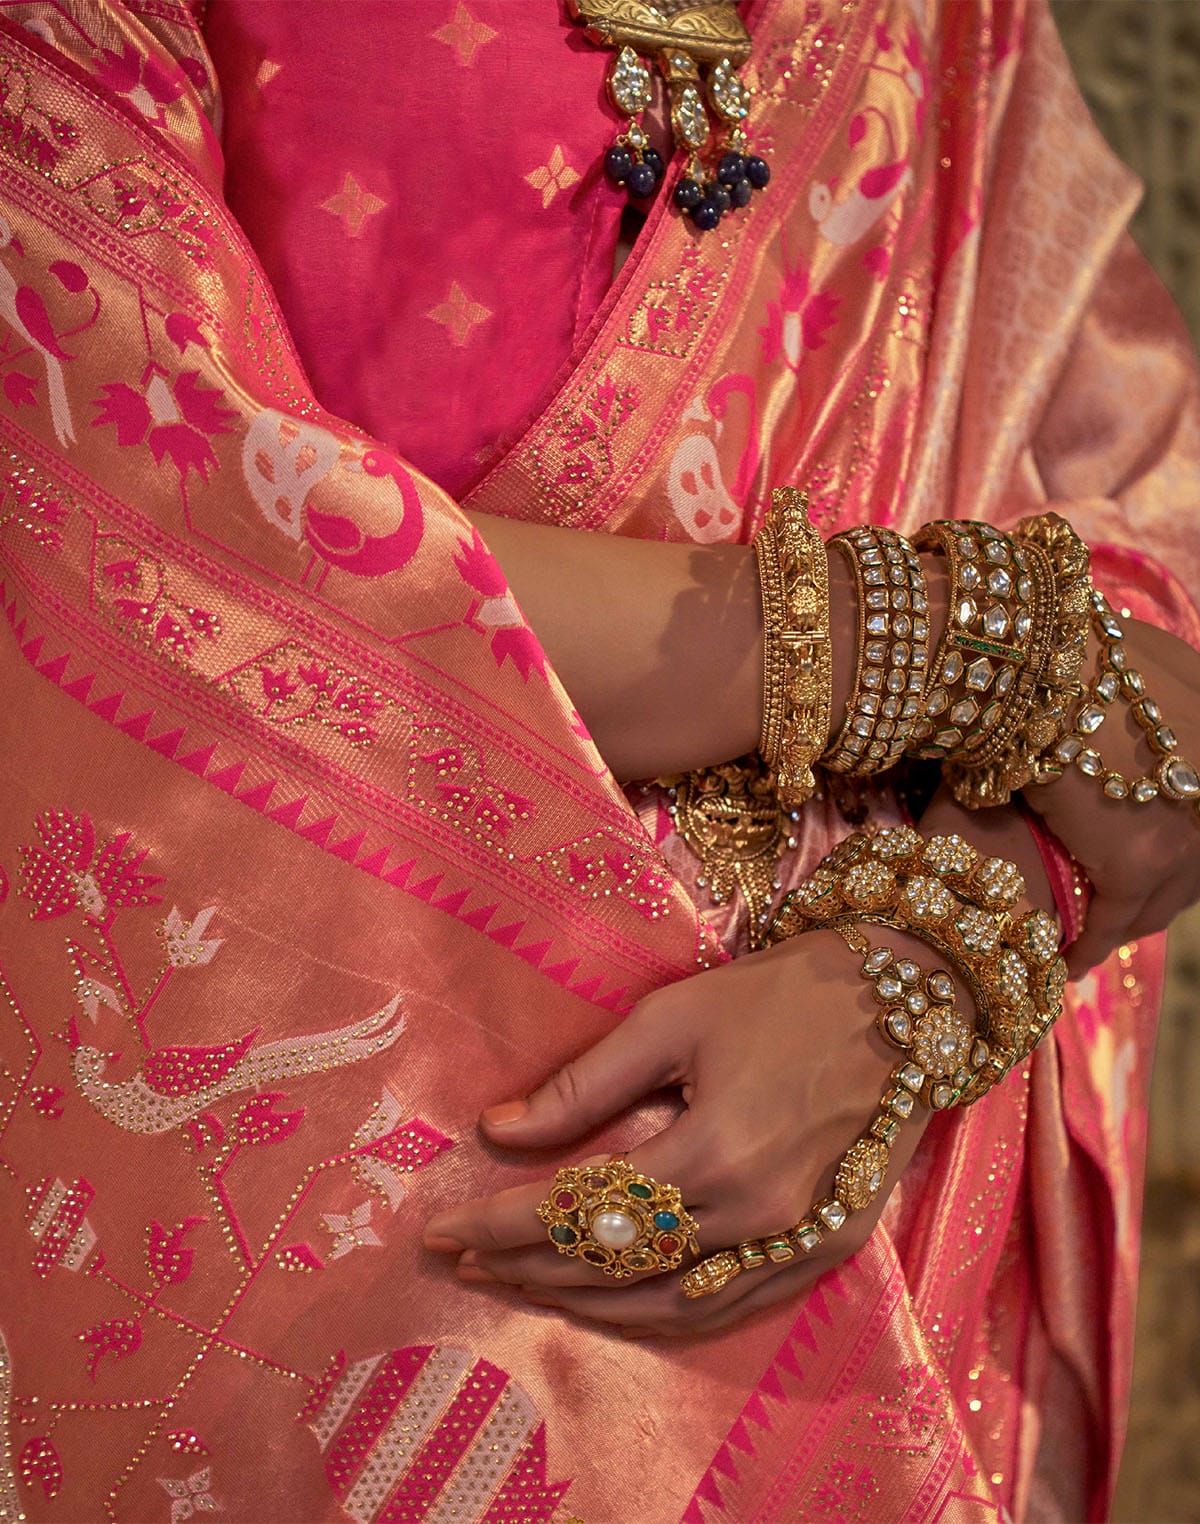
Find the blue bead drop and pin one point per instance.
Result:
(706, 215)
(758, 172)
(654, 159)
(618, 162)
(719, 197)
(741, 191)
(731, 169)
(640, 181)
(687, 194)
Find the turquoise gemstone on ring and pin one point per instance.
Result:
(666, 1221)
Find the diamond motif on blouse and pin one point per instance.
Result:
(464, 36)
(459, 314)
(553, 176)
(353, 205)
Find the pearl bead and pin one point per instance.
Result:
(614, 1230)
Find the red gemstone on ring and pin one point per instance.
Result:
(668, 1245)
(564, 1201)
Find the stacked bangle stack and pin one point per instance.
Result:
(1006, 706)
(941, 891)
(893, 652)
(1000, 705)
(1009, 662)
(798, 672)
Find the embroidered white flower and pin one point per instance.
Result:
(185, 947)
(353, 1231)
(190, 1495)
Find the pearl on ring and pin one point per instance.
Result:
(615, 1230)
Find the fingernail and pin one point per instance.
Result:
(442, 1243)
(476, 1273)
(538, 1300)
(507, 1111)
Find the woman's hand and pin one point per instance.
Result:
(780, 1068)
(1143, 860)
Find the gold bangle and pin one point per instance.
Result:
(797, 665)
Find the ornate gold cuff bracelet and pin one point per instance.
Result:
(797, 668)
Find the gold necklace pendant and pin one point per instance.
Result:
(683, 36)
(731, 818)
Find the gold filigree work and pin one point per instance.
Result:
(731, 819)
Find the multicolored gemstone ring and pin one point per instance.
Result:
(622, 1222)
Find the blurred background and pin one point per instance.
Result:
(1138, 62)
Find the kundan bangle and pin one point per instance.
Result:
(998, 593)
(1007, 668)
(893, 651)
(797, 668)
(943, 892)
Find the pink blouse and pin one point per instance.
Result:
(424, 185)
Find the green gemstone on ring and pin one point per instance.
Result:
(564, 1235)
(642, 1192)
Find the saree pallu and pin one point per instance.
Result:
(305, 855)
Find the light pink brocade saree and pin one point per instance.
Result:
(305, 857)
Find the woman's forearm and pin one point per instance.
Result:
(659, 645)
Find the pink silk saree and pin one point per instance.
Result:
(305, 856)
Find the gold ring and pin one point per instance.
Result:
(622, 1222)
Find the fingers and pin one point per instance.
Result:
(504, 1221)
(637, 1057)
(536, 1268)
(658, 1308)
